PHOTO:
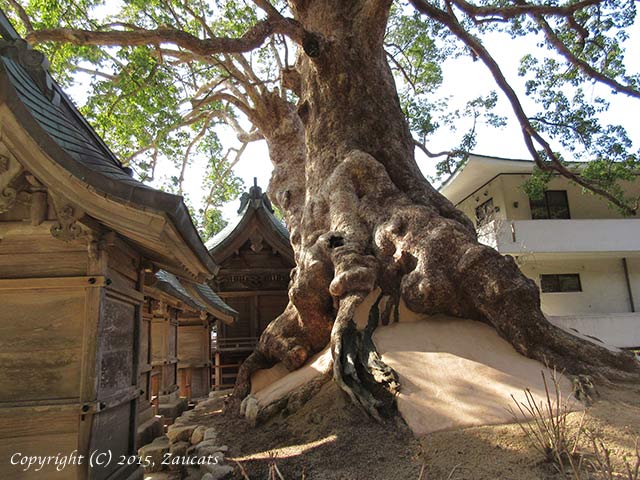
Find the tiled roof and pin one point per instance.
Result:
(169, 284)
(209, 295)
(204, 299)
(249, 202)
(56, 120)
(48, 114)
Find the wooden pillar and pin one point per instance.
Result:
(218, 371)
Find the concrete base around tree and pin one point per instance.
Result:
(454, 373)
(457, 373)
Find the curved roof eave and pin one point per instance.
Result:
(169, 284)
(196, 295)
(253, 205)
(111, 183)
(217, 307)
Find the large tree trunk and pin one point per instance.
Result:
(362, 216)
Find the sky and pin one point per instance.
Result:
(463, 80)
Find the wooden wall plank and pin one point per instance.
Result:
(115, 345)
(50, 444)
(40, 344)
(52, 283)
(25, 265)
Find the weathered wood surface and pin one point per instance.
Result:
(194, 353)
(69, 327)
(255, 265)
(40, 344)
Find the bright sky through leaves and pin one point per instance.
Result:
(464, 79)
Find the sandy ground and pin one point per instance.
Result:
(329, 439)
(456, 376)
(503, 451)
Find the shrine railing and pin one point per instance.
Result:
(233, 343)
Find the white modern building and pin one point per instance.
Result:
(583, 254)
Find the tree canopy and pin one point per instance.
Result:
(168, 77)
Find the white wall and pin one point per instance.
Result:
(494, 190)
(506, 193)
(604, 287)
(617, 329)
(570, 236)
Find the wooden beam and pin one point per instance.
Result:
(250, 293)
(52, 283)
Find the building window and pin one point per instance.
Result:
(484, 212)
(563, 282)
(553, 205)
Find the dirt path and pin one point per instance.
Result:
(328, 439)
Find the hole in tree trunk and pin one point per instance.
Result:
(335, 241)
(311, 44)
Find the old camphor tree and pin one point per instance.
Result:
(342, 131)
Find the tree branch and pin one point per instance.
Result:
(512, 11)
(222, 96)
(187, 154)
(220, 176)
(528, 131)
(268, 8)
(430, 154)
(251, 40)
(24, 18)
(581, 64)
(200, 19)
(96, 73)
(404, 73)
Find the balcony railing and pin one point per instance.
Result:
(233, 344)
(549, 236)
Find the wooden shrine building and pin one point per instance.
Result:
(194, 341)
(255, 260)
(79, 239)
(175, 354)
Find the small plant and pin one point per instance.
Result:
(633, 467)
(548, 430)
(599, 461)
(273, 470)
(561, 444)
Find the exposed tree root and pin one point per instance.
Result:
(358, 368)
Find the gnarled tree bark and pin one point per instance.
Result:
(362, 217)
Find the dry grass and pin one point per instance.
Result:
(274, 472)
(575, 451)
(600, 465)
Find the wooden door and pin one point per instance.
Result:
(269, 307)
(113, 422)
